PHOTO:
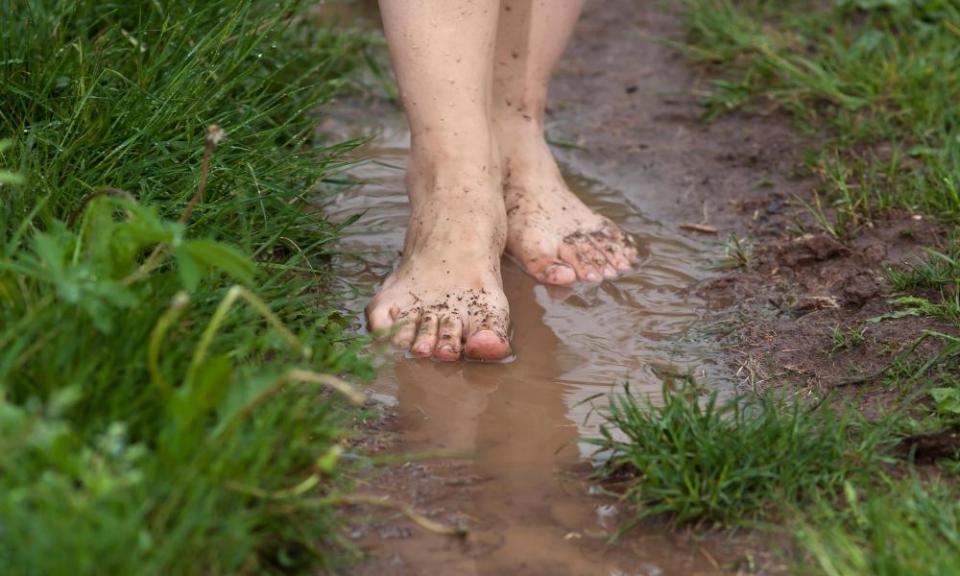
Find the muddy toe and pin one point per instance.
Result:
(449, 340)
(426, 338)
(405, 325)
(558, 273)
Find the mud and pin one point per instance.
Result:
(513, 467)
(629, 109)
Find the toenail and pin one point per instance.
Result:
(593, 277)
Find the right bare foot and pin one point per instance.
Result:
(446, 297)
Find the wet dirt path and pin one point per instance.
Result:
(517, 482)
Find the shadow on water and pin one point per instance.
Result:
(521, 422)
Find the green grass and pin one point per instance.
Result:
(825, 480)
(699, 460)
(846, 338)
(882, 77)
(162, 404)
(737, 254)
(905, 529)
(940, 272)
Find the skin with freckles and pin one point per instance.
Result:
(473, 78)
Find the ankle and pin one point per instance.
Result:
(472, 229)
(521, 142)
(455, 174)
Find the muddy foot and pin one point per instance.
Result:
(446, 298)
(551, 233)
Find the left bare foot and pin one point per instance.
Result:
(550, 232)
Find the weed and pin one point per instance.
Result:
(846, 338)
(937, 272)
(948, 308)
(737, 253)
(733, 462)
(947, 401)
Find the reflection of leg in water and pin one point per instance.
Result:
(527, 443)
(440, 408)
(553, 235)
(512, 418)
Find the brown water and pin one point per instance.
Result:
(520, 423)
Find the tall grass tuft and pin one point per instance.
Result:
(701, 461)
(165, 378)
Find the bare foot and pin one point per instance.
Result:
(551, 233)
(446, 297)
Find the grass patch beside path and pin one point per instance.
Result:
(761, 463)
(883, 77)
(902, 529)
(162, 409)
(707, 462)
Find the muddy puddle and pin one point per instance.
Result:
(518, 428)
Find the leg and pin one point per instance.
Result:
(551, 233)
(446, 294)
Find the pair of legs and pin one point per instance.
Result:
(473, 78)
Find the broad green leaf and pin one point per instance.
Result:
(947, 400)
(189, 269)
(221, 257)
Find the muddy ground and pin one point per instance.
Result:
(626, 111)
(634, 109)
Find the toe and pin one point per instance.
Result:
(616, 257)
(620, 260)
(449, 338)
(593, 256)
(488, 336)
(558, 273)
(379, 317)
(573, 253)
(606, 250)
(623, 244)
(536, 261)
(426, 338)
(407, 327)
